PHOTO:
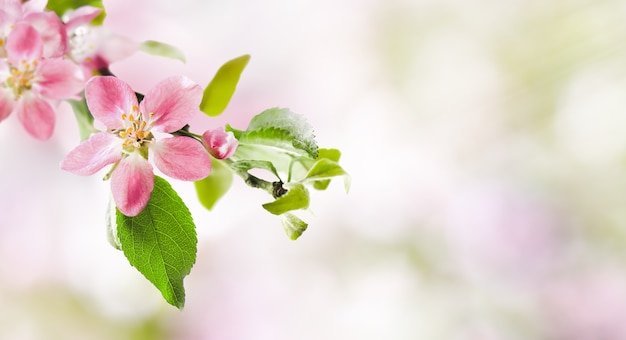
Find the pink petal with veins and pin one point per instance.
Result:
(13, 10)
(173, 101)
(60, 79)
(34, 5)
(182, 158)
(24, 43)
(82, 16)
(52, 31)
(107, 98)
(37, 116)
(100, 150)
(131, 184)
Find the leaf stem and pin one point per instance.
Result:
(275, 189)
(185, 132)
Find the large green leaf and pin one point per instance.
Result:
(161, 241)
(162, 50)
(279, 128)
(214, 186)
(296, 198)
(62, 6)
(220, 90)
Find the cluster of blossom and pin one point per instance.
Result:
(44, 60)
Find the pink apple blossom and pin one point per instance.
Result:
(94, 47)
(47, 23)
(219, 143)
(30, 85)
(132, 136)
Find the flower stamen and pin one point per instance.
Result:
(137, 131)
(22, 77)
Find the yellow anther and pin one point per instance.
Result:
(124, 116)
(131, 118)
(135, 108)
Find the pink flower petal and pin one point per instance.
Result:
(7, 104)
(182, 158)
(113, 47)
(24, 43)
(219, 143)
(52, 32)
(173, 101)
(60, 79)
(131, 184)
(107, 98)
(82, 16)
(37, 116)
(13, 8)
(95, 153)
(6, 20)
(34, 5)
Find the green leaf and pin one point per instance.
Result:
(279, 128)
(247, 165)
(84, 119)
(162, 50)
(221, 88)
(293, 226)
(62, 6)
(325, 169)
(296, 198)
(216, 185)
(332, 154)
(161, 241)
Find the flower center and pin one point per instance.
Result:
(136, 130)
(82, 44)
(22, 77)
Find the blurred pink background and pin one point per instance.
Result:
(487, 151)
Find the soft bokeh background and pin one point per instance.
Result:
(486, 145)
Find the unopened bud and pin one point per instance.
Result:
(219, 143)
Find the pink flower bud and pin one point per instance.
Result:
(219, 143)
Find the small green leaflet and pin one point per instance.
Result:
(293, 226)
(162, 50)
(296, 198)
(214, 186)
(62, 6)
(279, 128)
(299, 167)
(220, 90)
(161, 241)
(323, 170)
